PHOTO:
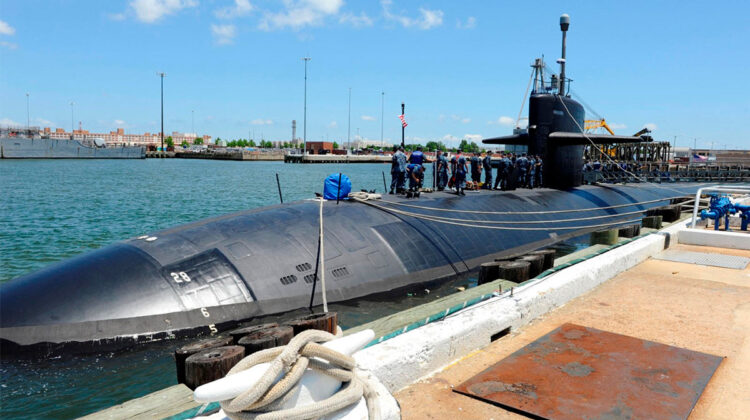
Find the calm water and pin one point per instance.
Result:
(54, 209)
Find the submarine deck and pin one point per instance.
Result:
(711, 315)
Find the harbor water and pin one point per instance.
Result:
(51, 210)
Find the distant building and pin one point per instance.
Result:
(319, 147)
(119, 137)
(363, 144)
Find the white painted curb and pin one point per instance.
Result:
(408, 357)
(715, 238)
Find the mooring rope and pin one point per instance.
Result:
(460, 222)
(264, 400)
(534, 212)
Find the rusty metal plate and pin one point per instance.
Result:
(575, 372)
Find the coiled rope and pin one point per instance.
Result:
(263, 401)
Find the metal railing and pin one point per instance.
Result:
(716, 188)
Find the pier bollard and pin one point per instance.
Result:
(488, 272)
(266, 339)
(653, 222)
(549, 257)
(536, 264)
(515, 271)
(209, 365)
(181, 354)
(604, 237)
(325, 322)
(241, 332)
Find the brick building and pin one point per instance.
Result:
(119, 137)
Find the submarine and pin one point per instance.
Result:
(208, 276)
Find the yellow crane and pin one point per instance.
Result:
(590, 125)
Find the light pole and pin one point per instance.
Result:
(349, 124)
(72, 124)
(304, 120)
(161, 75)
(28, 119)
(382, 114)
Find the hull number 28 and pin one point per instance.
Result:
(180, 277)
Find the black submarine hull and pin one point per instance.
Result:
(206, 276)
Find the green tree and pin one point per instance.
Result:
(432, 146)
(251, 143)
(198, 140)
(169, 141)
(185, 143)
(218, 139)
(335, 145)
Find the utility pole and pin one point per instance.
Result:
(403, 112)
(304, 121)
(382, 114)
(349, 124)
(28, 119)
(162, 74)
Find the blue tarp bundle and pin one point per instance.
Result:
(331, 187)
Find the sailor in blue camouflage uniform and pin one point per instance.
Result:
(476, 167)
(398, 171)
(487, 165)
(442, 170)
(538, 172)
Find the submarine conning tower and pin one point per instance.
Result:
(555, 130)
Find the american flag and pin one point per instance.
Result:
(403, 120)
(699, 158)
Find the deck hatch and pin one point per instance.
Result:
(577, 372)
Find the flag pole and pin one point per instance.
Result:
(403, 126)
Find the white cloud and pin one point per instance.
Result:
(261, 121)
(300, 13)
(473, 137)
(223, 34)
(368, 118)
(9, 122)
(42, 121)
(356, 21)
(8, 45)
(651, 126)
(449, 138)
(427, 18)
(333, 124)
(470, 23)
(240, 8)
(617, 126)
(119, 123)
(504, 120)
(6, 29)
(150, 11)
(454, 117)
(117, 16)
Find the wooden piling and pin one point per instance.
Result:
(653, 222)
(515, 271)
(241, 332)
(549, 257)
(266, 339)
(488, 272)
(324, 322)
(536, 264)
(604, 237)
(209, 365)
(181, 354)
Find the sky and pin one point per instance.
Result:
(234, 68)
